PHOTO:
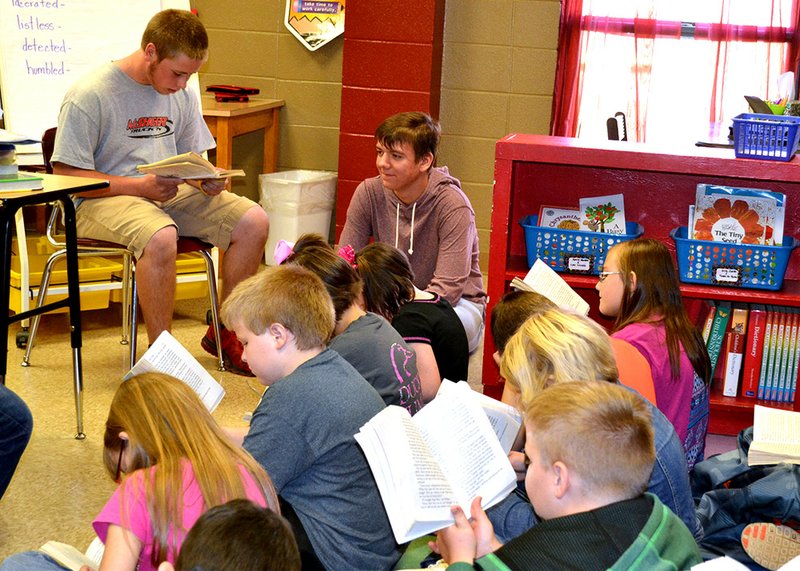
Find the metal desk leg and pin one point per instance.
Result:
(6, 221)
(73, 287)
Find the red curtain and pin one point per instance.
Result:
(718, 49)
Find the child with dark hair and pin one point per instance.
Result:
(639, 286)
(366, 340)
(238, 536)
(425, 319)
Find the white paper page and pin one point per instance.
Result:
(95, 551)
(414, 490)
(546, 281)
(505, 419)
(462, 439)
(168, 356)
(776, 431)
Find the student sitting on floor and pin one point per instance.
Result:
(425, 319)
(366, 340)
(551, 345)
(238, 536)
(302, 430)
(590, 451)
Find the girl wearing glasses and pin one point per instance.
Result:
(639, 287)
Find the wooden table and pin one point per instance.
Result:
(229, 119)
(56, 188)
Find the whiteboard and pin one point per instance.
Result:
(47, 45)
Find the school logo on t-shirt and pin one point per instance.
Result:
(149, 127)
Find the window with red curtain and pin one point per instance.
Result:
(674, 67)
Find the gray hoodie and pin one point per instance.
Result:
(437, 233)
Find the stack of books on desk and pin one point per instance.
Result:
(20, 181)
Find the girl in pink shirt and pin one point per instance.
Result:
(639, 286)
(177, 463)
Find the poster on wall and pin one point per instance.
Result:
(315, 22)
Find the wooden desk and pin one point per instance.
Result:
(229, 119)
(56, 188)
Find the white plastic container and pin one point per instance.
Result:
(298, 202)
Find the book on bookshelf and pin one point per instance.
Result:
(735, 350)
(20, 181)
(718, 330)
(708, 321)
(167, 355)
(776, 436)
(754, 348)
(786, 355)
(603, 214)
(544, 280)
(445, 454)
(776, 349)
(765, 352)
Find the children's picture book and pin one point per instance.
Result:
(167, 355)
(544, 280)
(71, 558)
(187, 166)
(506, 420)
(776, 436)
(738, 215)
(446, 454)
(560, 217)
(603, 214)
(708, 321)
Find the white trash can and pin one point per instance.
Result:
(298, 202)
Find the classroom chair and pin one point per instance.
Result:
(91, 247)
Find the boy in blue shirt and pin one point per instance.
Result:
(302, 430)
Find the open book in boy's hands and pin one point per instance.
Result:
(544, 280)
(187, 165)
(168, 356)
(446, 454)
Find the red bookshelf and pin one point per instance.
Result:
(659, 185)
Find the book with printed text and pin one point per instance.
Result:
(544, 280)
(754, 348)
(20, 181)
(765, 352)
(718, 330)
(775, 349)
(708, 322)
(789, 346)
(72, 558)
(445, 454)
(735, 351)
(776, 436)
(167, 355)
(187, 166)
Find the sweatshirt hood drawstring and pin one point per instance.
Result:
(397, 227)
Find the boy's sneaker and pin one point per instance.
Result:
(770, 545)
(231, 350)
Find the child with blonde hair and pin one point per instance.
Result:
(175, 463)
(302, 429)
(639, 287)
(555, 346)
(590, 450)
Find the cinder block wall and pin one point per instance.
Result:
(497, 77)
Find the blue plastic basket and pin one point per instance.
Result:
(736, 265)
(572, 251)
(770, 137)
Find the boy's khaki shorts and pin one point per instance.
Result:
(132, 220)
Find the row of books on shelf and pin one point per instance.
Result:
(754, 349)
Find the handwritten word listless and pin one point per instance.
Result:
(33, 45)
